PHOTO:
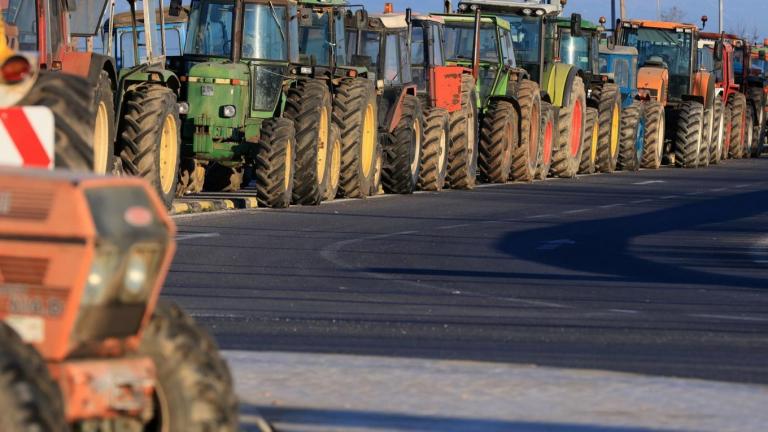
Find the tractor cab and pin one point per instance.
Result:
(619, 65)
(322, 40)
(173, 28)
(579, 47)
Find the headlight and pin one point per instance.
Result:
(140, 270)
(305, 70)
(183, 108)
(105, 265)
(228, 111)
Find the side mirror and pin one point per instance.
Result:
(576, 25)
(718, 53)
(305, 17)
(174, 9)
(361, 60)
(447, 6)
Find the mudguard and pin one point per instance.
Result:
(704, 87)
(88, 65)
(558, 80)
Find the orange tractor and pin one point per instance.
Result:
(669, 73)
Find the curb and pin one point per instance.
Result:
(202, 205)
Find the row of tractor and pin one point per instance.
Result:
(302, 102)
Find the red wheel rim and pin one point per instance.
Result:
(576, 121)
(549, 130)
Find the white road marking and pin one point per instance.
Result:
(539, 216)
(611, 205)
(742, 185)
(453, 226)
(182, 237)
(576, 211)
(625, 311)
(693, 193)
(718, 189)
(554, 244)
(647, 182)
(640, 201)
(729, 317)
(759, 251)
(666, 197)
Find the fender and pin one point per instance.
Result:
(704, 87)
(558, 81)
(151, 74)
(89, 66)
(652, 83)
(397, 113)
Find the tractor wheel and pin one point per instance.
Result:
(737, 102)
(632, 138)
(354, 112)
(528, 153)
(591, 135)
(221, 178)
(68, 97)
(334, 167)
(718, 132)
(749, 131)
(402, 155)
(274, 163)
(463, 138)
(194, 386)
(29, 399)
(706, 136)
(727, 132)
(309, 106)
(378, 162)
(549, 134)
(149, 137)
(567, 155)
(104, 125)
(607, 100)
(688, 135)
(757, 96)
(434, 161)
(498, 138)
(653, 141)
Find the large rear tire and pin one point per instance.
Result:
(68, 97)
(632, 139)
(688, 134)
(462, 152)
(718, 132)
(567, 156)
(194, 386)
(355, 113)
(655, 129)
(274, 163)
(591, 137)
(29, 399)
(104, 125)
(607, 100)
(149, 144)
(549, 134)
(706, 136)
(334, 169)
(529, 152)
(749, 131)
(308, 104)
(498, 139)
(737, 102)
(434, 155)
(402, 155)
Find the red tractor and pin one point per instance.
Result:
(447, 93)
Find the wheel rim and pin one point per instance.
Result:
(322, 145)
(335, 165)
(169, 153)
(640, 134)
(720, 129)
(443, 150)
(533, 134)
(288, 169)
(549, 131)
(660, 137)
(506, 156)
(577, 117)
(615, 123)
(595, 140)
(416, 128)
(369, 140)
(101, 140)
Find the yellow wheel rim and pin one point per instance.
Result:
(369, 140)
(335, 165)
(169, 153)
(322, 145)
(417, 141)
(288, 171)
(101, 140)
(595, 140)
(615, 123)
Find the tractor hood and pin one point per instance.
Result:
(213, 86)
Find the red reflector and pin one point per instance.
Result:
(235, 82)
(15, 69)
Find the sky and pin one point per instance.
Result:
(745, 15)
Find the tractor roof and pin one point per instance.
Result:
(489, 19)
(663, 25)
(124, 19)
(618, 49)
(733, 39)
(565, 22)
(428, 17)
(388, 21)
(547, 7)
(336, 3)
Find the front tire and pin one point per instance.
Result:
(402, 155)
(434, 155)
(737, 102)
(567, 156)
(334, 162)
(718, 132)
(194, 386)
(529, 152)
(104, 125)
(355, 113)
(274, 163)
(591, 138)
(149, 138)
(549, 138)
(632, 136)
(498, 138)
(653, 141)
(688, 135)
(462, 153)
(607, 100)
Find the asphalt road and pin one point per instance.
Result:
(659, 272)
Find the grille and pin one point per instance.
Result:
(29, 271)
(18, 202)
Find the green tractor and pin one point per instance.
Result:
(512, 113)
(341, 156)
(237, 71)
(533, 28)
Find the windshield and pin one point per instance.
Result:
(575, 51)
(210, 30)
(314, 39)
(668, 48)
(526, 37)
(460, 41)
(20, 24)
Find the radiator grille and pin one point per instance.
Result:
(28, 271)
